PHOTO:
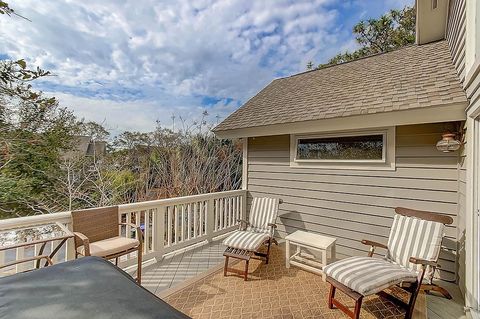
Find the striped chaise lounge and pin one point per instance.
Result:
(244, 243)
(412, 252)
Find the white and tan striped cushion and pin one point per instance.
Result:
(246, 240)
(367, 275)
(413, 237)
(264, 211)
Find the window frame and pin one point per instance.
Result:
(386, 163)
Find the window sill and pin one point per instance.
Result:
(345, 166)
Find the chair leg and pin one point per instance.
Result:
(441, 290)
(331, 296)
(245, 276)
(358, 307)
(268, 251)
(225, 267)
(413, 298)
(332, 302)
(139, 265)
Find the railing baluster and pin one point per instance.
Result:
(20, 254)
(175, 222)
(146, 232)
(216, 221)
(189, 221)
(195, 226)
(231, 211)
(169, 226)
(220, 200)
(202, 214)
(183, 222)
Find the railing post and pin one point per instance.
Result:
(158, 232)
(244, 206)
(210, 219)
(70, 246)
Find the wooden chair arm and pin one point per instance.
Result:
(138, 231)
(85, 241)
(423, 262)
(272, 225)
(373, 245)
(16, 262)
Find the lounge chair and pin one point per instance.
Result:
(258, 230)
(412, 253)
(97, 234)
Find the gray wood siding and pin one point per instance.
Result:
(358, 204)
(455, 35)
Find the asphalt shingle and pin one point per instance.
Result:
(416, 76)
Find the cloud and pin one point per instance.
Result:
(132, 62)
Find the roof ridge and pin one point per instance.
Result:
(358, 59)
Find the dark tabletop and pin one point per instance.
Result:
(85, 288)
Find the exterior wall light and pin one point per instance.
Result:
(448, 143)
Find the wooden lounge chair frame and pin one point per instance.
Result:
(246, 255)
(102, 223)
(413, 288)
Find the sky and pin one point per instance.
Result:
(128, 64)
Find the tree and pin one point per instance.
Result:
(392, 30)
(34, 132)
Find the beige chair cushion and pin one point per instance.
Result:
(109, 246)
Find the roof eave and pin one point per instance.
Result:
(433, 114)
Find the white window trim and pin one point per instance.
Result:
(386, 163)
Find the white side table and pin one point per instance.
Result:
(311, 241)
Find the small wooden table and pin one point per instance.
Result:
(34, 235)
(310, 241)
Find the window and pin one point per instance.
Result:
(346, 150)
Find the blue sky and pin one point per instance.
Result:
(128, 63)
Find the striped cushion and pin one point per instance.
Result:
(264, 211)
(246, 240)
(367, 275)
(413, 237)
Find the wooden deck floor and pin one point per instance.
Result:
(181, 266)
(441, 308)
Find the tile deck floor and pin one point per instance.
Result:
(273, 291)
(188, 274)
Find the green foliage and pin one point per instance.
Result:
(34, 131)
(392, 30)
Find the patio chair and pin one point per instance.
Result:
(97, 233)
(412, 253)
(258, 230)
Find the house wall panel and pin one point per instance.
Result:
(456, 28)
(358, 204)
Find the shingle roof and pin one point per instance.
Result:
(411, 77)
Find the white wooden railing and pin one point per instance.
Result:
(167, 224)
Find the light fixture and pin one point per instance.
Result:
(448, 143)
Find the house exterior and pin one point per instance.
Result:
(343, 145)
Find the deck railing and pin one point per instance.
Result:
(167, 224)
